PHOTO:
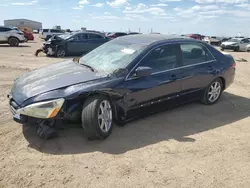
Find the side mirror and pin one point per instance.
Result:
(143, 71)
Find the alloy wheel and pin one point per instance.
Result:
(214, 91)
(105, 116)
(60, 53)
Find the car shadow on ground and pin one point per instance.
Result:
(7, 45)
(177, 124)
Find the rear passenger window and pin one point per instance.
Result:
(94, 36)
(194, 53)
(45, 30)
(80, 37)
(162, 58)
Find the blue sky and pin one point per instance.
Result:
(208, 17)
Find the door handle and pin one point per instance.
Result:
(173, 77)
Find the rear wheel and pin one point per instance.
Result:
(212, 92)
(13, 41)
(97, 117)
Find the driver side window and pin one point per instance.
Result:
(162, 58)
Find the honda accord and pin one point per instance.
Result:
(119, 78)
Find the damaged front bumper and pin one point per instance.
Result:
(49, 49)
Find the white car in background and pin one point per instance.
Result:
(236, 44)
(11, 36)
(248, 48)
(213, 40)
(46, 34)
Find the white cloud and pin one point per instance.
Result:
(80, 7)
(136, 17)
(117, 3)
(222, 1)
(3, 5)
(244, 5)
(98, 5)
(25, 3)
(42, 8)
(83, 2)
(160, 5)
(142, 8)
(106, 17)
(208, 12)
(107, 13)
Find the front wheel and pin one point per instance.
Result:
(13, 41)
(97, 117)
(222, 49)
(237, 49)
(60, 52)
(212, 92)
(25, 39)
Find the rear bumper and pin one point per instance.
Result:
(229, 77)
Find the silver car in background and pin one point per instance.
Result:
(236, 44)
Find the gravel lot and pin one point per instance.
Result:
(190, 146)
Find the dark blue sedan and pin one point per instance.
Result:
(120, 79)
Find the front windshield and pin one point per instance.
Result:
(112, 56)
(234, 40)
(66, 36)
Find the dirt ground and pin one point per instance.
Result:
(190, 146)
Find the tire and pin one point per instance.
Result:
(206, 99)
(237, 49)
(60, 52)
(95, 128)
(25, 39)
(13, 41)
(248, 50)
(222, 49)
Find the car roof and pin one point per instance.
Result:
(148, 39)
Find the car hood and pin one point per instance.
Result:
(52, 77)
(229, 43)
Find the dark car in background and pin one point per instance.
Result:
(75, 43)
(133, 33)
(116, 34)
(120, 80)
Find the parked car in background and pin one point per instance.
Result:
(11, 36)
(133, 33)
(75, 43)
(28, 36)
(116, 34)
(213, 40)
(122, 79)
(47, 33)
(195, 36)
(248, 48)
(236, 44)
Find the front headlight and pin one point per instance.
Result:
(44, 110)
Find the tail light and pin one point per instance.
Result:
(233, 65)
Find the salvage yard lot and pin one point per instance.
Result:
(190, 146)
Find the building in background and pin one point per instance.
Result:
(23, 24)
